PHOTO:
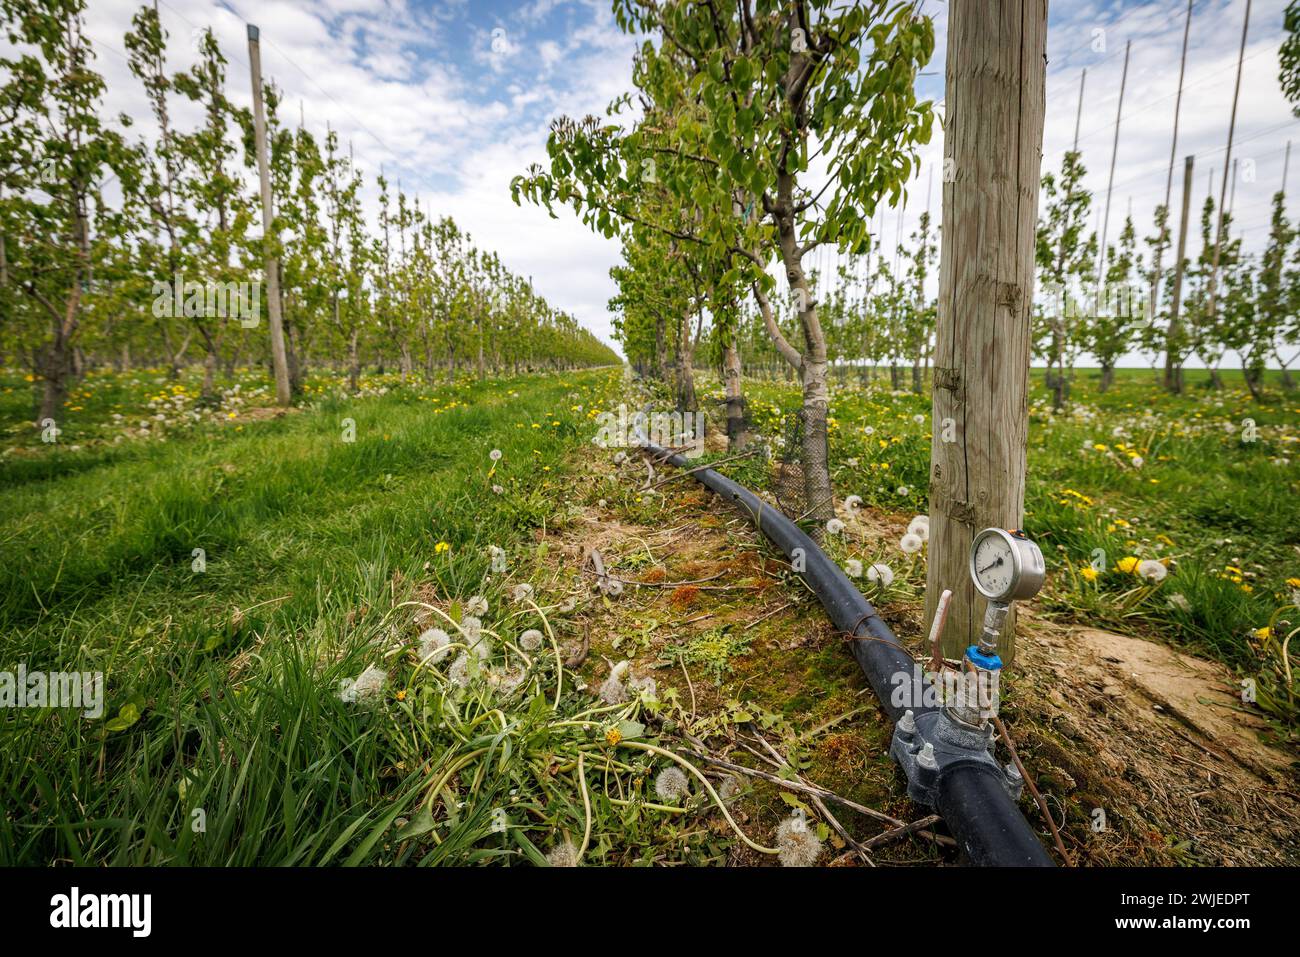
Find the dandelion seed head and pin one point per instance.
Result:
(531, 640)
(366, 689)
(834, 526)
(1152, 570)
(477, 605)
(799, 846)
(433, 645)
(910, 543)
(672, 785)
(880, 574)
(612, 691)
(563, 854)
(853, 568)
(460, 671)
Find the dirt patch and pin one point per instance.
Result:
(1145, 755)
(1148, 753)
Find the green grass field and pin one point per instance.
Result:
(228, 736)
(223, 683)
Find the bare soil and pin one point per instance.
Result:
(1145, 755)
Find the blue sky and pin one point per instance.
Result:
(454, 98)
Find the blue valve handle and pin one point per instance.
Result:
(980, 660)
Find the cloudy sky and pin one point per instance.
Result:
(454, 97)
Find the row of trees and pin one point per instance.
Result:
(149, 249)
(1207, 306)
(875, 308)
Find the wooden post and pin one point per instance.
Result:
(279, 361)
(1110, 184)
(1174, 370)
(1227, 166)
(996, 73)
(1169, 177)
(1078, 114)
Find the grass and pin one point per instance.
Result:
(230, 571)
(223, 675)
(1206, 483)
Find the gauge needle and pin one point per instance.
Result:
(994, 565)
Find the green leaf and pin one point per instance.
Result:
(127, 715)
(630, 730)
(422, 823)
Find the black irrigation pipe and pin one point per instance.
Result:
(983, 818)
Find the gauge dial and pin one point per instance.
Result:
(994, 565)
(1005, 566)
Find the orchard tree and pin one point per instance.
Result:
(1289, 56)
(1207, 327)
(222, 208)
(756, 91)
(921, 315)
(1112, 324)
(50, 102)
(347, 265)
(1278, 290)
(1065, 257)
(168, 232)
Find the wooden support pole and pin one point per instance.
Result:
(1174, 368)
(1227, 167)
(279, 360)
(1110, 183)
(996, 74)
(1169, 177)
(1078, 113)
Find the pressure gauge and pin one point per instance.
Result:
(1005, 565)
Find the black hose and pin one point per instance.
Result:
(988, 826)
